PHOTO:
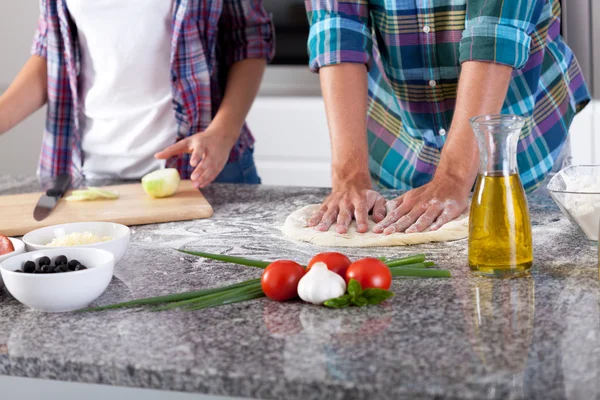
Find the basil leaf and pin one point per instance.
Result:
(376, 296)
(354, 289)
(339, 302)
(360, 301)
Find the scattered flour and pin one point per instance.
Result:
(584, 206)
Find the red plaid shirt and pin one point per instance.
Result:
(208, 36)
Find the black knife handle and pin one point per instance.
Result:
(61, 185)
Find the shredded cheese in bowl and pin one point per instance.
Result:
(77, 239)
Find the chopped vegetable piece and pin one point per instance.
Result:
(92, 193)
(161, 183)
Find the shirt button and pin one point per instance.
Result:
(432, 83)
(426, 29)
(442, 132)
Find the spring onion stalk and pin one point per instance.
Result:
(418, 258)
(173, 297)
(230, 259)
(420, 272)
(426, 264)
(224, 293)
(257, 294)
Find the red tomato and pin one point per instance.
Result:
(280, 280)
(370, 273)
(336, 262)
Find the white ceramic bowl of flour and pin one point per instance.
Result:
(576, 191)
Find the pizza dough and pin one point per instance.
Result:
(296, 228)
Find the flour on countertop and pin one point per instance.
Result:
(585, 205)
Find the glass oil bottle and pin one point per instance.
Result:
(500, 242)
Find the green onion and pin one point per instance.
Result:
(419, 258)
(230, 259)
(173, 297)
(234, 298)
(420, 272)
(224, 293)
(426, 264)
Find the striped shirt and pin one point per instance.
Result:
(208, 36)
(414, 50)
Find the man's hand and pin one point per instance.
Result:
(430, 206)
(347, 202)
(210, 151)
(482, 89)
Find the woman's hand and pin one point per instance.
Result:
(210, 151)
(430, 206)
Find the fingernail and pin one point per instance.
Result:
(362, 227)
(411, 230)
(194, 176)
(321, 227)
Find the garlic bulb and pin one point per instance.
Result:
(320, 284)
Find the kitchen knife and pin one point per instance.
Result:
(49, 200)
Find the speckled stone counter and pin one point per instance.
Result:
(465, 337)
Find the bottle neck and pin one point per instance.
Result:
(498, 152)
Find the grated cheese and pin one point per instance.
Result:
(77, 239)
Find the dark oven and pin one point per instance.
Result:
(291, 31)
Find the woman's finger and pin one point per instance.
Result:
(182, 146)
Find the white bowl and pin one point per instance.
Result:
(574, 190)
(38, 239)
(60, 292)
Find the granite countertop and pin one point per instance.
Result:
(464, 337)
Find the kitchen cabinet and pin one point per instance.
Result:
(292, 141)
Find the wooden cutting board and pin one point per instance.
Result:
(134, 207)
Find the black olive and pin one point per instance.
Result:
(57, 270)
(18, 270)
(44, 261)
(46, 269)
(29, 267)
(72, 264)
(80, 267)
(63, 268)
(37, 270)
(60, 260)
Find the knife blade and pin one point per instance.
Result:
(48, 200)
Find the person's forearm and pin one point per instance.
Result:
(26, 94)
(243, 83)
(482, 90)
(345, 93)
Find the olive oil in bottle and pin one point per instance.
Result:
(500, 242)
